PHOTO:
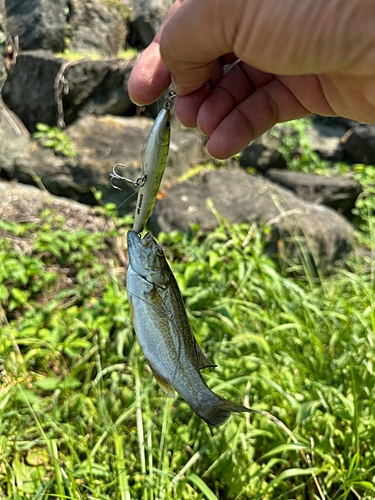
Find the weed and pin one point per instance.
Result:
(70, 55)
(82, 417)
(54, 138)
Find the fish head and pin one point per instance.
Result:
(147, 259)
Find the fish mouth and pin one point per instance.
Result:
(135, 240)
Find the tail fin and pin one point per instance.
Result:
(217, 413)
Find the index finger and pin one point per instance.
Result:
(149, 78)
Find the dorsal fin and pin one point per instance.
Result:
(203, 361)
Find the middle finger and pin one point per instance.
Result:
(238, 84)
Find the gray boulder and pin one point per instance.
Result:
(44, 88)
(20, 203)
(28, 90)
(101, 142)
(14, 141)
(146, 17)
(340, 192)
(3, 37)
(263, 153)
(358, 144)
(94, 87)
(324, 136)
(39, 24)
(96, 28)
(297, 227)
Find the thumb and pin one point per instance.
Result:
(193, 38)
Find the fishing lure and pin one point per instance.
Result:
(153, 166)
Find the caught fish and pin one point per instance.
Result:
(164, 333)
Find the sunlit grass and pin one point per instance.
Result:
(301, 350)
(82, 417)
(70, 55)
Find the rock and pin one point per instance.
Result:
(96, 28)
(39, 24)
(146, 17)
(261, 157)
(101, 142)
(339, 192)
(297, 227)
(324, 136)
(3, 37)
(263, 153)
(20, 203)
(84, 86)
(358, 144)
(28, 90)
(28, 204)
(14, 141)
(96, 87)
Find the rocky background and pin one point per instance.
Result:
(64, 67)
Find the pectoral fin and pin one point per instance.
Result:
(203, 362)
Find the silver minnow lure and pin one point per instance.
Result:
(164, 333)
(153, 165)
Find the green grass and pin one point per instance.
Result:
(70, 55)
(82, 417)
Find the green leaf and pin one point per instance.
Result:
(286, 474)
(26, 395)
(20, 296)
(283, 448)
(305, 410)
(4, 293)
(48, 383)
(70, 383)
(37, 456)
(365, 484)
(199, 483)
(42, 127)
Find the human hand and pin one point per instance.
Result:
(296, 58)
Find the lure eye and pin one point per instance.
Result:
(168, 125)
(159, 251)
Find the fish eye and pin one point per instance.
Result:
(159, 251)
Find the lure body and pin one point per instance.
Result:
(153, 165)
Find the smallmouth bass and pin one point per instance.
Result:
(164, 333)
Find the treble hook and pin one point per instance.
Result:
(114, 175)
